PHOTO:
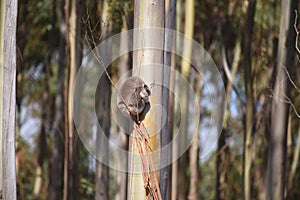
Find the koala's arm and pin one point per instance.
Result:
(130, 109)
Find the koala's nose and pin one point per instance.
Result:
(144, 95)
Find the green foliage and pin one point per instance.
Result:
(118, 11)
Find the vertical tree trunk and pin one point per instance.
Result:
(102, 171)
(194, 149)
(124, 66)
(275, 177)
(175, 147)
(2, 20)
(103, 107)
(42, 144)
(147, 14)
(182, 185)
(75, 61)
(66, 103)
(249, 96)
(166, 135)
(56, 174)
(8, 96)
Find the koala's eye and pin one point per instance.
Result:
(147, 89)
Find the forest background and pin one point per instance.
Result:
(254, 45)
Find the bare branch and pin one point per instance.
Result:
(285, 100)
(297, 34)
(96, 54)
(290, 78)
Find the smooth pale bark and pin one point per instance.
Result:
(147, 14)
(8, 97)
(276, 167)
(2, 19)
(185, 70)
(250, 100)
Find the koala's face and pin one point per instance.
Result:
(145, 93)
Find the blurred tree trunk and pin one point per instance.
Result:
(56, 174)
(275, 177)
(124, 66)
(102, 170)
(42, 144)
(182, 185)
(175, 147)
(103, 107)
(166, 135)
(72, 185)
(66, 104)
(250, 99)
(2, 20)
(8, 24)
(147, 14)
(295, 163)
(194, 149)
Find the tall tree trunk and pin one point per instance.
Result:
(66, 103)
(124, 66)
(103, 107)
(56, 174)
(9, 9)
(166, 135)
(2, 20)
(182, 185)
(250, 100)
(102, 171)
(194, 149)
(42, 144)
(147, 14)
(175, 146)
(75, 61)
(275, 177)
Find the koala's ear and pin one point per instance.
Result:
(147, 89)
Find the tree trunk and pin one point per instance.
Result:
(166, 135)
(102, 171)
(194, 149)
(276, 167)
(56, 174)
(250, 101)
(2, 20)
(8, 97)
(182, 185)
(147, 14)
(103, 107)
(124, 66)
(75, 61)
(42, 143)
(175, 147)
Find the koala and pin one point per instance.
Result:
(133, 99)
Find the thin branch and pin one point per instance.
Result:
(297, 34)
(290, 78)
(99, 60)
(229, 76)
(286, 100)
